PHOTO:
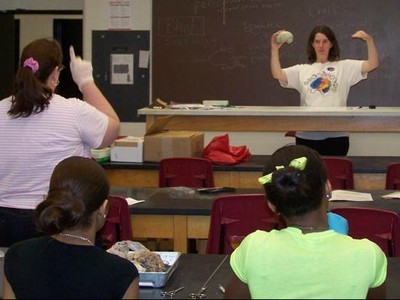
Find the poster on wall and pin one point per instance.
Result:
(119, 14)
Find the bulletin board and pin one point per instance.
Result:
(220, 49)
(121, 65)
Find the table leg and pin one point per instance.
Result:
(180, 233)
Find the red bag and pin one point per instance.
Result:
(219, 151)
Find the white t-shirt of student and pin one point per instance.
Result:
(324, 85)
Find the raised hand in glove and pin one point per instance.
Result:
(81, 70)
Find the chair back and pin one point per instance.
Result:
(393, 177)
(290, 133)
(118, 226)
(238, 215)
(377, 225)
(340, 172)
(193, 172)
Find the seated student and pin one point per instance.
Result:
(306, 259)
(64, 263)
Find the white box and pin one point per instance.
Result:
(128, 149)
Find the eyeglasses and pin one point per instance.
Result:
(62, 67)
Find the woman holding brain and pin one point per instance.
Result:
(324, 81)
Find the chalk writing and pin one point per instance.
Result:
(181, 26)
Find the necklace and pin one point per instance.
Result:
(310, 228)
(77, 237)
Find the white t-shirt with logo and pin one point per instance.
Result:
(324, 85)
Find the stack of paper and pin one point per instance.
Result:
(345, 195)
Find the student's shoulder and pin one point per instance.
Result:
(27, 246)
(63, 100)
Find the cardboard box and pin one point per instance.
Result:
(128, 149)
(160, 143)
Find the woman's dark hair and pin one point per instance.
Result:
(334, 52)
(292, 191)
(78, 187)
(31, 93)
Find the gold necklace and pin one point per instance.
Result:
(77, 237)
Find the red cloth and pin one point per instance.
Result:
(219, 151)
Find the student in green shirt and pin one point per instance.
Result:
(306, 259)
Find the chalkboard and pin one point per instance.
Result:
(220, 49)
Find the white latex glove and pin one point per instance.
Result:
(81, 70)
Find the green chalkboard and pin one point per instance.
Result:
(220, 49)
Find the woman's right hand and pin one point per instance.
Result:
(276, 69)
(81, 70)
(274, 43)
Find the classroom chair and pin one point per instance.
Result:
(290, 133)
(235, 216)
(193, 172)
(340, 172)
(393, 177)
(118, 226)
(378, 225)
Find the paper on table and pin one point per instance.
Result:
(186, 106)
(394, 195)
(132, 201)
(343, 195)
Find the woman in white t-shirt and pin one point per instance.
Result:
(324, 82)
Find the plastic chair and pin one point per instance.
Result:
(235, 216)
(340, 172)
(378, 225)
(186, 171)
(393, 177)
(118, 226)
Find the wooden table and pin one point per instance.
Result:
(182, 213)
(172, 213)
(277, 118)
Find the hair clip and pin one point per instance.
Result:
(31, 63)
(298, 163)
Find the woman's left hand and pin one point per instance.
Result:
(362, 35)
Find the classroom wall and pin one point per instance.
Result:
(364, 144)
(31, 26)
(95, 18)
